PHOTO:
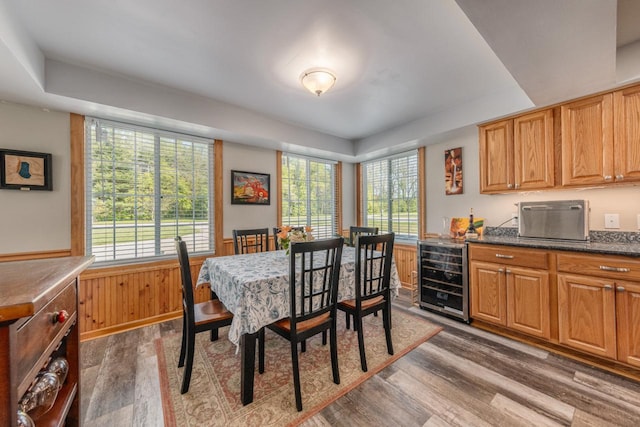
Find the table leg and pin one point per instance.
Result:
(248, 366)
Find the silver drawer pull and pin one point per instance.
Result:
(608, 287)
(616, 269)
(504, 256)
(620, 288)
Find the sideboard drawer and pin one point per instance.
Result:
(40, 332)
(609, 267)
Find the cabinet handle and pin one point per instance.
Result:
(60, 316)
(608, 287)
(616, 269)
(500, 270)
(508, 271)
(509, 186)
(517, 186)
(620, 177)
(620, 288)
(504, 256)
(608, 177)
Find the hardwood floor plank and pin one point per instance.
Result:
(147, 404)
(436, 421)
(609, 388)
(435, 402)
(115, 383)
(521, 413)
(523, 393)
(474, 396)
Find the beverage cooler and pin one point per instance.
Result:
(443, 277)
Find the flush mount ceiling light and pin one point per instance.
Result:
(318, 80)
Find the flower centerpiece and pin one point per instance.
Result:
(288, 234)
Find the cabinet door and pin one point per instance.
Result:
(496, 156)
(627, 134)
(587, 141)
(533, 149)
(628, 316)
(488, 293)
(586, 314)
(528, 301)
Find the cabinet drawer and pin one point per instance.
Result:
(609, 267)
(509, 256)
(37, 334)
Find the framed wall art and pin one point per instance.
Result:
(453, 171)
(250, 188)
(25, 170)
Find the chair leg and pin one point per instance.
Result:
(303, 346)
(347, 319)
(333, 333)
(186, 377)
(324, 337)
(183, 345)
(261, 351)
(386, 318)
(363, 357)
(296, 375)
(214, 334)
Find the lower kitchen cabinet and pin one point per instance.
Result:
(587, 315)
(510, 295)
(599, 305)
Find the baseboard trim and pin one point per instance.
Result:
(99, 333)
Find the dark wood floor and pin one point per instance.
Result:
(462, 377)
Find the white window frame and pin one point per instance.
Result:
(163, 247)
(385, 223)
(320, 229)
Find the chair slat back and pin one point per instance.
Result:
(314, 270)
(373, 266)
(186, 280)
(250, 240)
(355, 232)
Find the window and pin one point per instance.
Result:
(145, 187)
(390, 194)
(309, 194)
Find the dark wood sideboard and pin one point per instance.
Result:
(31, 334)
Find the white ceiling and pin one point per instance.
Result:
(408, 71)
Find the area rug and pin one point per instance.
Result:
(214, 394)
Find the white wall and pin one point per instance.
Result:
(498, 207)
(250, 159)
(32, 221)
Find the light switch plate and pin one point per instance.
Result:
(611, 221)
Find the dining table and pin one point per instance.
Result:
(255, 288)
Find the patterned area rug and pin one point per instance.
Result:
(214, 394)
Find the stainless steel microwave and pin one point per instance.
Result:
(558, 219)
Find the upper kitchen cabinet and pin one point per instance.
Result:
(587, 141)
(626, 148)
(517, 154)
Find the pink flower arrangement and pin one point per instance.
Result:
(287, 235)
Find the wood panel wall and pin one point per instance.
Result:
(116, 299)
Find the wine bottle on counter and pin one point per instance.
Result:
(471, 233)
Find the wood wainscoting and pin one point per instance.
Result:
(115, 299)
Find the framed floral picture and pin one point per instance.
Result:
(25, 170)
(250, 188)
(453, 171)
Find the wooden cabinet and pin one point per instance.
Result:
(517, 154)
(587, 141)
(32, 333)
(599, 305)
(626, 150)
(510, 287)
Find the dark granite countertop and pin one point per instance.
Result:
(626, 244)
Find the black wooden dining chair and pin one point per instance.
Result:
(354, 232)
(204, 316)
(314, 270)
(373, 293)
(250, 240)
(276, 230)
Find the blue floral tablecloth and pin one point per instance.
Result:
(255, 287)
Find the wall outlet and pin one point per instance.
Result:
(611, 221)
(514, 219)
